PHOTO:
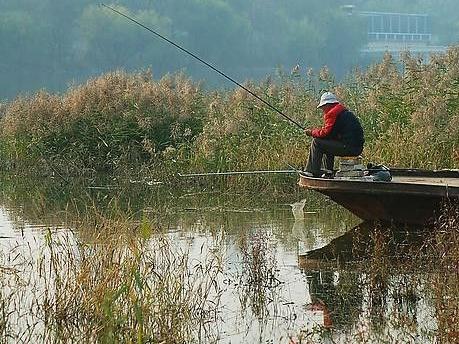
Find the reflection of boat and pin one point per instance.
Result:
(413, 196)
(378, 279)
(358, 245)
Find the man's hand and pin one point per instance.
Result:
(308, 132)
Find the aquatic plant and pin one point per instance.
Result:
(409, 110)
(395, 278)
(442, 252)
(117, 277)
(258, 280)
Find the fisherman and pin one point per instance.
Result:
(340, 135)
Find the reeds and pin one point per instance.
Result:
(258, 280)
(443, 246)
(109, 124)
(121, 284)
(129, 124)
(116, 277)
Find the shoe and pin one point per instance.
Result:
(306, 174)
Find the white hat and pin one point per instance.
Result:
(327, 98)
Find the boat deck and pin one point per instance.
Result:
(426, 180)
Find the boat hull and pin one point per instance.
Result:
(417, 202)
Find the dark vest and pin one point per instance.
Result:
(348, 130)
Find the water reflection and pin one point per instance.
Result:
(366, 283)
(294, 270)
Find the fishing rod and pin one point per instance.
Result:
(234, 173)
(272, 107)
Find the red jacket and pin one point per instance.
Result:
(329, 121)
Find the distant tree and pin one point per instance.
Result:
(105, 41)
(210, 28)
(48, 43)
(344, 37)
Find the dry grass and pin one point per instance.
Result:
(115, 279)
(128, 124)
(121, 284)
(258, 280)
(111, 123)
(443, 247)
(410, 111)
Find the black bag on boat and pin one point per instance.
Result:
(380, 173)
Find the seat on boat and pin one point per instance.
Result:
(350, 166)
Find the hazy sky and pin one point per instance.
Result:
(51, 43)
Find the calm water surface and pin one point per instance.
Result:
(268, 293)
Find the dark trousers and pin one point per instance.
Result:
(324, 151)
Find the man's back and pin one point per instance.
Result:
(348, 130)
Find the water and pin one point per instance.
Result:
(267, 291)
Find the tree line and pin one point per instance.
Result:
(52, 43)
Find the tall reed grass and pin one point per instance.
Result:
(112, 123)
(119, 278)
(129, 124)
(120, 283)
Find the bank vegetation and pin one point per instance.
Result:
(130, 125)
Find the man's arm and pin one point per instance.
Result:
(330, 119)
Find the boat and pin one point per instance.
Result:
(413, 196)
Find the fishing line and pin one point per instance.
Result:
(205, 63)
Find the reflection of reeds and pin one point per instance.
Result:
(404, 277)
(258, 276)
(119, 287)
(396, 284)
(444, 256)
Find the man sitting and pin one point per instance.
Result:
(341, 135)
